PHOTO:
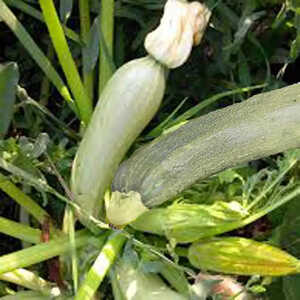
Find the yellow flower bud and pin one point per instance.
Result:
(233, 255)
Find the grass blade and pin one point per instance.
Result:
(22, 199)
(43, 251)
(100, 267)
(194, 110)
(20, 231)
(107, 29)
(85, 27)
(41, 184)
(83, 102)
(27, 100)
(31, 11)
(9, 77)
(21, 33)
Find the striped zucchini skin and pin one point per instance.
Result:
(127, 104)
(265, 124)
(242, 256)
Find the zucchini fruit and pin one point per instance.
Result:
(127, 104)
(265, 124)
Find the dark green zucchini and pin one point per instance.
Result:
(265, 124)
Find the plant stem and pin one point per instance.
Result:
(263, 212)
(28, 280)
(85, 26)
(41, 184)
(22, 199)
(45, 85)
(18, 29)
(20, 231)
(43, 251)
(69, 228)
(83, 102)
(101, 266)
(27, 100)
(107, 30)
(241, 223)
(270, 187)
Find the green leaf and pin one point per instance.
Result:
(83, 102)
(295, 46)
(290, 232)
(29, 44)
(275, 290)
(135, 284)
(91, 50)
(291, 287)
(9, 77)
(290, 240)
(244, 71)
(228, 176)
(65, 9)
(244, 27)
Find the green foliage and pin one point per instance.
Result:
(9, 77)
(29, 155)
(250, 46)
(289, 235)
(65, 10)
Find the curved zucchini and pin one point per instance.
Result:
(127, 104)
(265, 124)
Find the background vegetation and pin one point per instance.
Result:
(250, 47)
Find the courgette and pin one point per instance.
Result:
(265, 124)
(127, 104)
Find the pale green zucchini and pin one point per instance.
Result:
(127, 104)
(265, 124)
